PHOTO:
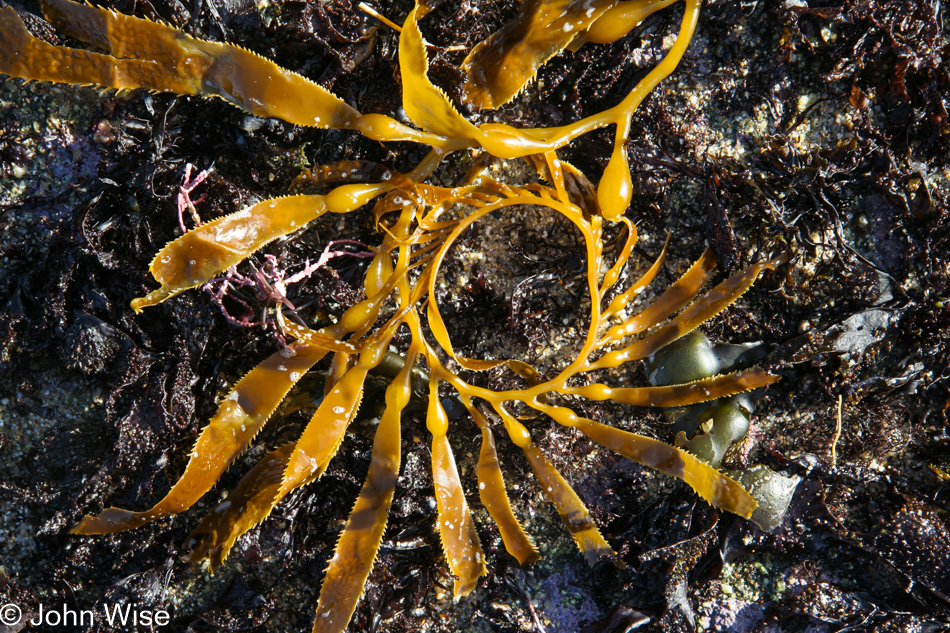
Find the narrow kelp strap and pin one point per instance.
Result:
(623, 299)
(716, 488)
(498, 68)
(22, 55)
(247, 505)
(359, 542)
(457, 531)
(494, 496)
(211, 248)
(241, 415)
(323, 434)
(182, 64)
(571, 508)
(671, 301)
(569, 505)
(706, 307)
(623, 256)
(711, 388)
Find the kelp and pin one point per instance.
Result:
(500, 67)
(147, 55)
(417, 235)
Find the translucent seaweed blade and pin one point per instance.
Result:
(210, 249)
(572, 510)
(498, 68)
(262, 488)
(623, 256)
(491, 490)
(716, 488)
(424, 103)
(185, 65)
(24, 56)
(320, 440)
(621, 301)
(679, 395)
(456, 528)
(618, 21)
(673, 298)
(359, 543)
(246, 506)
(241, 415)
(703, 309)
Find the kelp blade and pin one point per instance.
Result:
(621, 301)
(265, 486)
(323, 434)
(24, 56)
(247, 505)
(494, 496)
(717, 489)
(498, 68)
(680, 293)
(185, 65)
(706, 307)
(703, 390)
(424, 103)
(572, 510)
(210, 249)
(359, 543)
(491, 488)
(456, 528)
(239, 418)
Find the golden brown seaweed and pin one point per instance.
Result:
(415, 243)
(499, 67)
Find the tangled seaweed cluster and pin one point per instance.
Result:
(418, 225)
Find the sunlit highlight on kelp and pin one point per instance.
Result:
(417, 232)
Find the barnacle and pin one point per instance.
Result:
(419, 224)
